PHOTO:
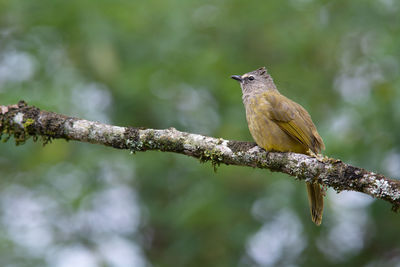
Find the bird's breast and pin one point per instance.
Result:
(266, 133)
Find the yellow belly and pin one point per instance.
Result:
(268, 135)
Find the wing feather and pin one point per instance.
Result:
(294, 120)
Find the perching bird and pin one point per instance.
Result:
(279, 124)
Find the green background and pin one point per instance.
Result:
(167, 63)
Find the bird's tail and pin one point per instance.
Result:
(316, 201)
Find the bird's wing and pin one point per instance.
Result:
(294, 120)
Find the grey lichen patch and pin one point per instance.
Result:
(131, 133)
(383, 188)
(18, 118)
(167, 144)
(145, 142)
(115, 136)
(380, 187)
(132, 137)
(222, 146)
(134, 146)
(396, 194)
(310, 169)
(304, 172)
(170, 140)
(386, 189)
(328, 173)
(276, 161)
(75, 128)
(149, 140)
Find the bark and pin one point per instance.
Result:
(22, 122)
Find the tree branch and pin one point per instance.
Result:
(23, 121)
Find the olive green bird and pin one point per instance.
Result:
(280, 124)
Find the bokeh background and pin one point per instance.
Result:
(163, 63)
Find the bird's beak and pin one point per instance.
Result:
(237, 78)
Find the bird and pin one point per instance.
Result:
(277, 123)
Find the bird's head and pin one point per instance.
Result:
(255, 81)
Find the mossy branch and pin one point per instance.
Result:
(22, 122)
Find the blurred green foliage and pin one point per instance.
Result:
(167, 63)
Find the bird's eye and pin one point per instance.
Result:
(251, 78)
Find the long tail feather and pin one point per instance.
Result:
(316, 201)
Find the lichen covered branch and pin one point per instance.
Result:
(22, 121)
